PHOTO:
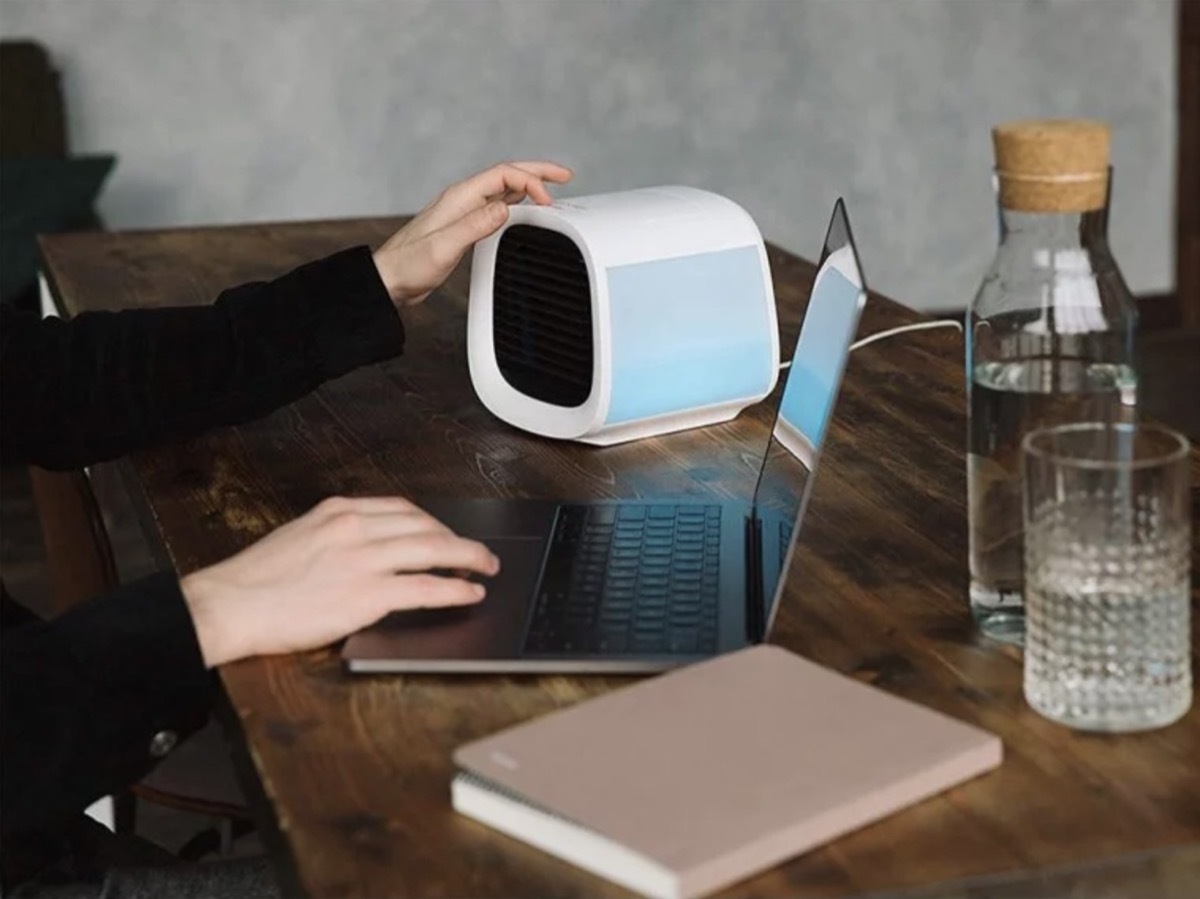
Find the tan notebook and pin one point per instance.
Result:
(682, 784)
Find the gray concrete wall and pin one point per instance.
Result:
(232, 110)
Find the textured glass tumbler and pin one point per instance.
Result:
(1107, 592)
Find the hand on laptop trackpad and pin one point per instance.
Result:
(424, 616)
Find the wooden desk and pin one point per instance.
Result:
(355, 772)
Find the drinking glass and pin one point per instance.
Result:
(1107, 592)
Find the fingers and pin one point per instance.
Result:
(348, 521)
(509, 182)
(428, 591)
(350, 530)
(516, 179)
(547, 171)
(396, 535)
(365, 505)
(448, 244)
(423, 551)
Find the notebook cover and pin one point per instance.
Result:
(726, 767)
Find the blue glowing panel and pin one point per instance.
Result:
(688, 332)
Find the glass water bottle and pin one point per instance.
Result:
(1049, 338)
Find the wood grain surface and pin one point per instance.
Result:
(353, 774)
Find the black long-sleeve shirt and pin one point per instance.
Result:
(82, 697)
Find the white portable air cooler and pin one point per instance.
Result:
(618, 316)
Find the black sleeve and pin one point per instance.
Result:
(103, 384)
(89, 700)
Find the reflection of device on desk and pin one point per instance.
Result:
(619, 316)
(635, 586)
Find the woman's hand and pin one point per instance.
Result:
(421, 255)
(333, 571)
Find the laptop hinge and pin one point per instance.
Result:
(754, 579)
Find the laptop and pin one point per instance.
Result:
(646, 584)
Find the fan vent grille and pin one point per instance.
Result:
(542, 316)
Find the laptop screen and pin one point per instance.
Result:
(809, 394)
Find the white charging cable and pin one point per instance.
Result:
(917, 326)
(891, 332)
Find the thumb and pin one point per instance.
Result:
(473, 227)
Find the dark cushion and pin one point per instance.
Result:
(43, 196)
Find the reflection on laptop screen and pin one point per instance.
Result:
(812, 381)
(810, 390)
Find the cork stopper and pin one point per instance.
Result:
(1052, 165)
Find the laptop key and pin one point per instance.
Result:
(680, 642)
(604, 514)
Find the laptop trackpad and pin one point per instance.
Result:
(494, 628)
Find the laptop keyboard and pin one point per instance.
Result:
(637, 579)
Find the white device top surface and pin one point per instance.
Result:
(649, 223)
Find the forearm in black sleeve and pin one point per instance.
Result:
(92, 698)
(103, 384)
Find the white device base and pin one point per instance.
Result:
(666, 424)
